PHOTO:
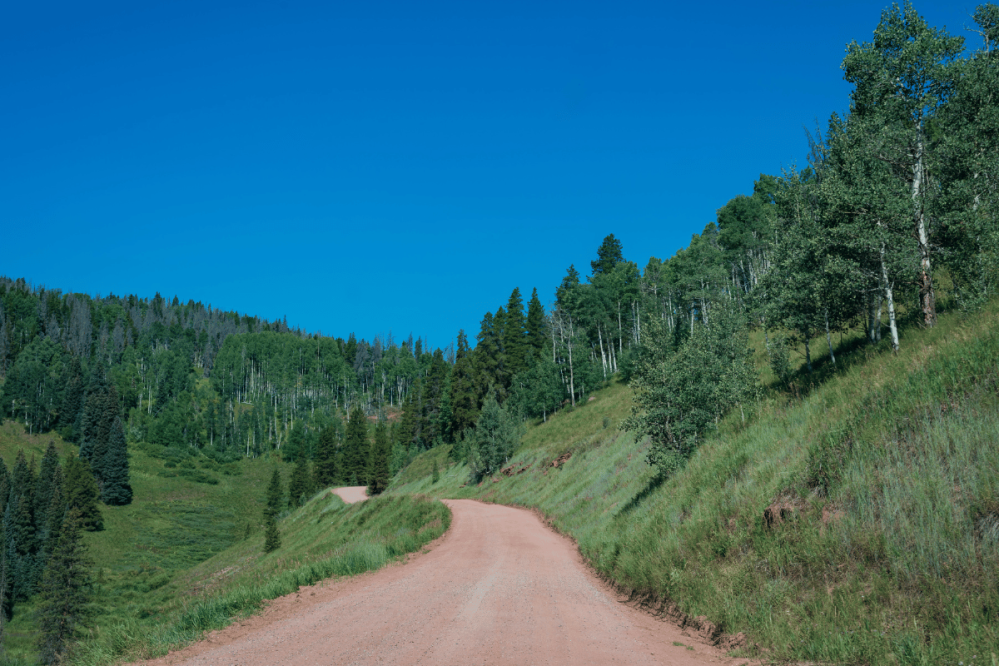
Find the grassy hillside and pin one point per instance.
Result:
(853, 518)
(186, 555)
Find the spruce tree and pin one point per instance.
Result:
(608, 255)
(275, 496)
(379, 474)
(43, 484)
(327, 472)
(514, 335)
(72, 400)
(116, 489)
(82, 494)
(356, 448)
(464, 407)
(272, 537)
(65, 593)
(536, 326)
(299, 485)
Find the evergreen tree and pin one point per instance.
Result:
(357, 451)
(433, 398)
(44, 484)
(65, 593)
(72, 400)
(299, 487)
(486, 358)
(327, 470)
(379, 475)
(272, 537)
(116, 489)
(464, 407)
(608, 255)
(23, 553)
(515, 335)
(275, 496)
(537, 335)
(82, 493)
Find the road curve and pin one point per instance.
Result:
(352, 494)
(498, 588)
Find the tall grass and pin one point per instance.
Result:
(888, 471)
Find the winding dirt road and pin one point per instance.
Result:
(498, 588)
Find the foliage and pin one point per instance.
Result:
(680, 392)
(65, 598)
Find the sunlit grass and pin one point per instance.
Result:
(889, 551)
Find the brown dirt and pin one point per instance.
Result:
(352, 494)
(498, 588)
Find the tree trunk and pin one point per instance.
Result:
(889, 296)
(926, 296)
(603, 356)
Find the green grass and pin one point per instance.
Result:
(191, 513)
(324, 539)
(888, 468)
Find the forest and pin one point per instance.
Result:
(897, 201)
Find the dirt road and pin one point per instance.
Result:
(498, 588)
(352, 494)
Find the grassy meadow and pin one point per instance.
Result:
(186, 556)
(880, 478)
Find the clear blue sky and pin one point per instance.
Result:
(376, 167)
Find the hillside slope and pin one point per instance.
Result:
(853, 522)
(186, 555)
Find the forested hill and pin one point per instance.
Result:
(899, 196)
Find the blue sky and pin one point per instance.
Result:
(377, 167)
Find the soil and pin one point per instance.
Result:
(352, 494)
(499, 588)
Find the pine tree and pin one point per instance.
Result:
(327, 471)
(464, 407)
(82, 494)
(72, 400)
(116, 489)
(299, 487)
(356, 448)
(43, 484)
(272, 537)
(609, 254)
(275, 496)
(537, 335)
(65, 593)
(515, 335)
(379, 475)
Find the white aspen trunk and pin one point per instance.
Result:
(603, 356)
(926, 295)
(889, 296)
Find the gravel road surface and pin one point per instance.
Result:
(498, 588)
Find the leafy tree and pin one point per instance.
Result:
(680, 392)
(65, 593)
(539, 391)
(901, 81)
(494, 439)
